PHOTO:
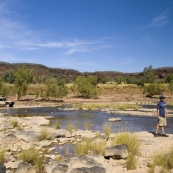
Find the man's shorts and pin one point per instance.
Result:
(162, 122)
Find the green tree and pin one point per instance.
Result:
(149, 74)
(119, 79)
(153, 89)
(8, 76)
(170, 87)
(23, 77)
(54, 89)
(169, 78)
(85, 87)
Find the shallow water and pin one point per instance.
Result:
(95, 118)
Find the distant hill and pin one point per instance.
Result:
(41, 70)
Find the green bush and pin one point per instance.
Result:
(34, 157)
(153, 89)
(85, 87)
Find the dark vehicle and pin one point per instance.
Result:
(5, 102)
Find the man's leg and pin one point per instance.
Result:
(157, 128)
(156, 134)
(162, 128)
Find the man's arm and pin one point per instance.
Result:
(158, 114)
(166, 112)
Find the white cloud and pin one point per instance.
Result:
(72, 63)
(160, 20)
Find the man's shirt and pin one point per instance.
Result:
(161, 105)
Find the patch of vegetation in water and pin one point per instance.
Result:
(99, 106)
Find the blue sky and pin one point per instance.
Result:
(88, 35)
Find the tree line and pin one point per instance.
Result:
(85, 86)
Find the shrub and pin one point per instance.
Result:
(2, 155)
(162, 159)
(58, 158)
(32, 156)
(57, 125)
(131, 162)
(14, 123)
(153, 89)
(98, 146)
(44, 134)
(86, 86)
(69, 128)
(86, 125)
(107, 129)
(131, 140)
(83, 148)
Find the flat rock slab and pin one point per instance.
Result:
(116, 152)
(93, 169)
(114, 119)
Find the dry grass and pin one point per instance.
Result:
(58, 158)
(131, 162)
(34, 157)
(14, 123)
(131, 140)
(99, 106)
(69, 128)
(163, 159)
(44, 134)
(83, 148)
(87, 125)
(98, 146)
(2, 155)
(107, 129)
(57, 125)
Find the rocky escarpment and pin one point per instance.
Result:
(41, 70)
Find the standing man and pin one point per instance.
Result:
(161, 115)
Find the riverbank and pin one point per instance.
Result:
(26, 135)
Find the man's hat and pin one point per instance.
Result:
(161, 97)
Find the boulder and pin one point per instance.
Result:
(159, 169)
(94, 169)
(60, 168)
(2, 169)
(84, 133)
(25, 167)
(28, 136)
(45, 143)
(88, 161)
(9, 139)
(12, 164)
(55, 167)
(114, 119)
(116, 152)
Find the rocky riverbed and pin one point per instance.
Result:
(26, 136)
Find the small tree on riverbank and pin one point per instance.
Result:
(23, 77)
(54, 89)
(86, 86)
